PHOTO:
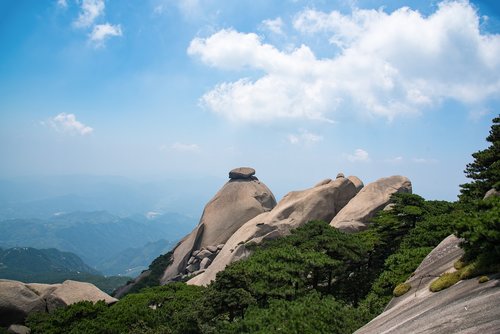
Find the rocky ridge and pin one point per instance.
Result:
(244, 211)
(321, 202)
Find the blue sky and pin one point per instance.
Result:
(299, 90)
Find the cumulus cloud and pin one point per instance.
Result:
(359, 155)
(182, 147)
(101, 32)
(304, 137)
(389, 64)
(90, 10)
(275, 26)
(67, 123)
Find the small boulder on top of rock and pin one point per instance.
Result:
(241, 173)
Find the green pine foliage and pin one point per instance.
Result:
(324, 314)
(485, 169)
(166, 309)
(478, 220)
(480, 229)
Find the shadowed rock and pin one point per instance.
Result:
(241, 173)
(18, 300)
(372, 198)
(491, 193)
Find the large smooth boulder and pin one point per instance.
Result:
(466, 307)
(242, 198)
(17, 301)
(71, 292)
(322, 202)
(237, 202)
(375, 196)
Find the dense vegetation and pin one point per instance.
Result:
(316, 280)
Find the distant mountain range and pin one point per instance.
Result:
(42, 197)
(132, 261)
(101, 239)
(28, 264)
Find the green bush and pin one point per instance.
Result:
(483, 279)
(166, 309)
(309, 314)
(445, 281)
(401, 289)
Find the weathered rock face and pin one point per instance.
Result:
(18, 329)
(491, 193)
(16, 302)
(70, 292)
(240, 199)
(322, 202)
(466, 307)
(18, 299)
(372, 198)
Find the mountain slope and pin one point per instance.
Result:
(93, 235)
(132, 261)
(16, 261)
(28, 264)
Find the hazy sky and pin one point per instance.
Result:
(299, 90)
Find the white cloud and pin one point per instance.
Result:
(359, 155)
(102, 32)
(62, 3)
(304, 137)
(275, 26)
(182, 147)
(67, 123)
(397, 159)
(90, 10)
(389, 64)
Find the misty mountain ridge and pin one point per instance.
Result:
(98, 237)
(42, 197)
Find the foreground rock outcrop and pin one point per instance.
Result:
(322, 202)
(18, 300)
(466, 307)
(242, 198)
(355, 216)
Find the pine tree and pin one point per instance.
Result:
(485, 169)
